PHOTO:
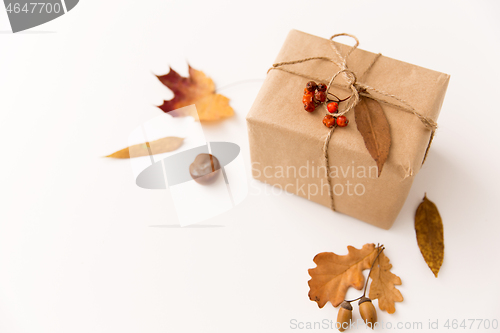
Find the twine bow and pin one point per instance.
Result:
(357, 89)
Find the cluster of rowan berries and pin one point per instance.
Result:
(314, 95)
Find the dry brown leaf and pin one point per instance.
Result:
(334, 274)
(382, 286)
(164, 145)
(196, 89)
(429, 230)
(374, 128)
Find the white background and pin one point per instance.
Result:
(82, 249)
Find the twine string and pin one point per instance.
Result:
(357, 89)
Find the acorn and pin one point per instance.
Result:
(367, 311)
(344, 316)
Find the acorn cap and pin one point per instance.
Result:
(364, 299)
(346, 305)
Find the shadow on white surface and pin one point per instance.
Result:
(444, 173)
(188, 226)
(27, 32)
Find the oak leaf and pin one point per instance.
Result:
(382, 286)
(196, 89)
(164, 145)
(374, 128)
(429, 230)
(334, 274)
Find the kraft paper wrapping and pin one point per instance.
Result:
(286, 142)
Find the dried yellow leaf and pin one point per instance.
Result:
(429, 230)
(159, 146)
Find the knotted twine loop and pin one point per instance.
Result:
(357, 89)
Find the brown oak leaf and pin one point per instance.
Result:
(159, 146)
(430, 239)
(196, 89)
(383, 282)
(374, 128)
(334, 274)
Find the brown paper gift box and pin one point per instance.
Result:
(286, 142)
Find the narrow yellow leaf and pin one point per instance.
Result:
(164, 145)
(430, 239)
